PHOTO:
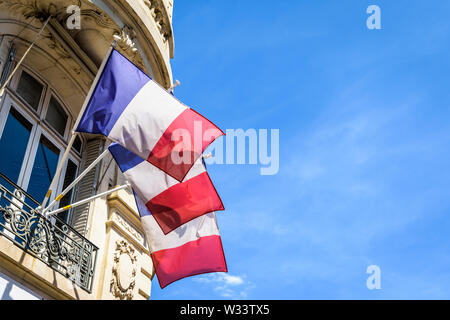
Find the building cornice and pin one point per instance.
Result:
(163, 21)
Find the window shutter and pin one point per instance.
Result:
(86, 187)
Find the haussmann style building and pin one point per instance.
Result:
(94, 251)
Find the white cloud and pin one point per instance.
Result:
(232, 280)
(226, 285)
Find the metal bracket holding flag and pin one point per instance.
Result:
(77, 179)
(81, 202)
(173, 86)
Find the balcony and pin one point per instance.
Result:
(50, 240)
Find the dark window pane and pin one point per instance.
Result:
(77, 144)
(13, 144)
(56, 116)
(71, 172)
(44, 168)
(30, 90)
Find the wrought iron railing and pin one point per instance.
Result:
(50, 240)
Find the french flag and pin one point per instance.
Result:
(171, 203)
(192, 249)
(131, 109)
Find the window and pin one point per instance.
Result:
(71, 173)
(14, 138)
(56, 116)
(77, 144)
(33, 127)
(44, 168)
(30, 90)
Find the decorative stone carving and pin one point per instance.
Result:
(122, 222)
(127, 45)
(101, 19)
(62, 53)
(57, 46)
(161, 17)
(20, 6)
(124, 271)
(127, 37)
(31, 8)
(169, 7)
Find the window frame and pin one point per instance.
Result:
(15, 84)
(32, 156)
(51, 93)
(40, 127)
(61, 183)
(6, 106)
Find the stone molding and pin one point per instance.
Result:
(92, 18)
(122, 287)
(33, 273)
(162, 19)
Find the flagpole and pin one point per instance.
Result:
(2, 89)
(79, 203)
(74, 133)
(81, 176)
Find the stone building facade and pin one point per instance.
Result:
(98, 250)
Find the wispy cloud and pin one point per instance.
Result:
(226, 285)
(364, 140)
(354, 180)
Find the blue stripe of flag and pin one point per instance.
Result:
(124, 158)
(119, 83)
(143, 211)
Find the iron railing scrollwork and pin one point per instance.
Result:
(50, 240)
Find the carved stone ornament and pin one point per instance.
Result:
(159, 14)
(127, 45)
(124, 224)
(30, 8)
(124, 271)
(127, 36)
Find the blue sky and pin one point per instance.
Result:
(364, 173)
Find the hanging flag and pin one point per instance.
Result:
(171, 203)
(131, 109)
(192, 249)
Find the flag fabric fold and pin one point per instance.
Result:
(131, 109)
(192, 249)
(171, 203)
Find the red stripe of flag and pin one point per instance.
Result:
(189, 120)
(204, 255)
(184, 202)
